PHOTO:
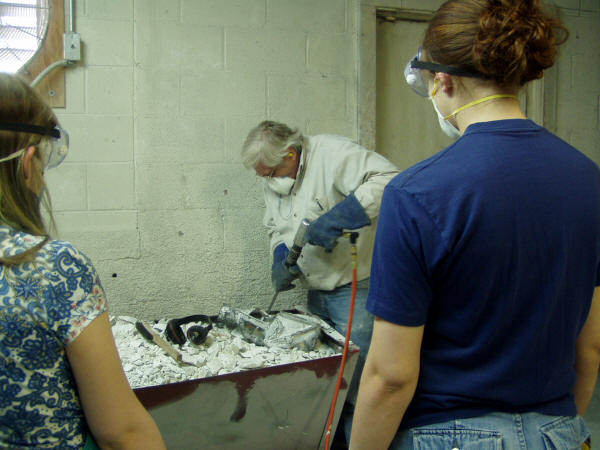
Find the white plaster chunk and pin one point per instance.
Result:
(224, 351)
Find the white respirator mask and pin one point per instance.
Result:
(448, 129)
(281, 185)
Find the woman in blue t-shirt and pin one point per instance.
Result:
(61, 380)
(487, 255)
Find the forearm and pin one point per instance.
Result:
(587, 356)
(586, 367)
(142, 434)
(128, 426)
(380, 408)
(113, 413)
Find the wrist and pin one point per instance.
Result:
(280, 252)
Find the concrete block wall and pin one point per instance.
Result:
(578, 77)
(153, 189)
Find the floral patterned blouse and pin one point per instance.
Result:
(44, 305)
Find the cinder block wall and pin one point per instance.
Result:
(153, 190)
(578, 99)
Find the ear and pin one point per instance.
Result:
(291, 153)
(28, 162)
(445, 81)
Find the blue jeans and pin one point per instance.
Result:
(497, 431)
(333, 307)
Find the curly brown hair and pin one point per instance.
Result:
(508, 41)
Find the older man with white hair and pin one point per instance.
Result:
(337, 185)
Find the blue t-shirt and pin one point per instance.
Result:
(44, 305)
(494, 245)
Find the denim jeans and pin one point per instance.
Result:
(333, 307)
(497, 431)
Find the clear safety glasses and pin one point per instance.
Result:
(414, 76)
(56, 143)
(413, 73)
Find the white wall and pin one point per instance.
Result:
(153, 190)
(578, 73)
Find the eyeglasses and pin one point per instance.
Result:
(51, 154)
(414, 76)
(413, 73)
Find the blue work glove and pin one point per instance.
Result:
(282, 275)
(346, 215)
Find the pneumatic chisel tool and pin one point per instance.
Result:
(294, 253)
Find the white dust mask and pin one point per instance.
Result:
(448, 129)
(281, 185)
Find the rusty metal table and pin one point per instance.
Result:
(279, 407)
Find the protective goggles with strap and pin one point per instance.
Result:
(413, 73)
(57, 142)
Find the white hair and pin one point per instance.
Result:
(268, 143)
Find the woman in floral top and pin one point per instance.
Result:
(61, 379)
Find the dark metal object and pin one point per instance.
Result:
(197, 334)
(294, 254)
(175, 334)
(352, 235)
(269, 309)
(149, 334)
(283, 330)
(139, 326)
(280, 407)
(298, 244)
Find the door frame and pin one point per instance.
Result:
(541, 94)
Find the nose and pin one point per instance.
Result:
(267, 173)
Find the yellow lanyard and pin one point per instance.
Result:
(481, 100)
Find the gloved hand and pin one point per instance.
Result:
(282, 275)
(346, 215)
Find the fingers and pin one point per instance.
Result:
(294, 270)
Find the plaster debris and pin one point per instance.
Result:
(224, 351)
(282, 330)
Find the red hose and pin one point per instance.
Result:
(344, 354)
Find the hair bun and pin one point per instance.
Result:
(516, 41)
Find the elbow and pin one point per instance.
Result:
(395, 384)
(126, 441)
(588, 358)
(115, 440)
(589, 348)
(391, 381)
(143, 435)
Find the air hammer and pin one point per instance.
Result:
(295, 251)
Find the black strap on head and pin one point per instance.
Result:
(28, 128)
(446, 69)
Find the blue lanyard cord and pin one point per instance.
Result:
(289, 213)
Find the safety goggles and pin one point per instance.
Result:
(55, 150)
(413, 73)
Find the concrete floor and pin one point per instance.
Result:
(592, 416)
